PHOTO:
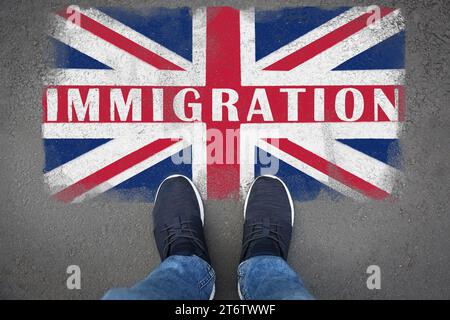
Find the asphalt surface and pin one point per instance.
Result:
(334, 241)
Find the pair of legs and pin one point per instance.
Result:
(185, 271)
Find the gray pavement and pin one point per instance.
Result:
(334, 241)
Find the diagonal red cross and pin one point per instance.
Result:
(223, 70)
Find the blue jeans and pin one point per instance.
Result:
(192, 278)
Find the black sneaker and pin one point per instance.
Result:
(178, 219)
(269, 216)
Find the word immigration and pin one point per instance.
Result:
(145, 104)
(314, 96)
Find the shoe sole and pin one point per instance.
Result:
(291, 203)
(213, 293)
(241, 297)
(197, 194)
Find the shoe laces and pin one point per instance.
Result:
(181, 229)
(265, 229)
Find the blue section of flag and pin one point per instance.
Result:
(60, 151)
(68, 57)
(172, 28)
(389, 54)
(301, 186)
(384, 150)
(144, 185)
(276, 28)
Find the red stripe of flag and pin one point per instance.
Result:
(330, 169)
(113, 169)
(223, 69)
(122, 42)
(334, 37)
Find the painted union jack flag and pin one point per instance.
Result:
(312, 95)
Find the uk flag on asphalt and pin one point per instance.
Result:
(312, 95)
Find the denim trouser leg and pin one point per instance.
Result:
(270, 278)
(176, 278)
